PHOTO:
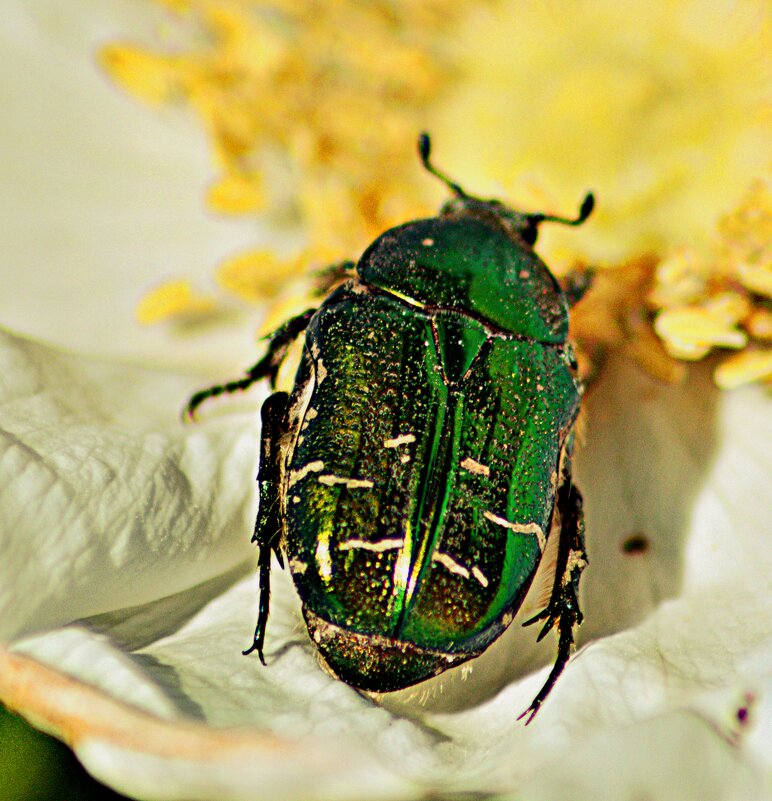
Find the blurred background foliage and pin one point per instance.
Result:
(36, 767)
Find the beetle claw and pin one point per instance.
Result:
(532, 709)
(255, 647)
(189, 412)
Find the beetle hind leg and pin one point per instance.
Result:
(267, 367)
(268, 526)
(563, 608)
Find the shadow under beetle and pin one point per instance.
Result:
(420, 469)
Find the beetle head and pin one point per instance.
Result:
(522, 225)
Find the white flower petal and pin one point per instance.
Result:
(79, 652)
(108, 499)
(691, 646)
(101, 197)
(675, 757)
(129, 532)
(154, 759)
(687, 468)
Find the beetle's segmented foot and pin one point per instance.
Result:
(564, 613)
(267, 367)
(563, 610)
(215, 391)
(566, 629)
(558, 611)
(268, 526)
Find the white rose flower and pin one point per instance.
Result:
(127, 583)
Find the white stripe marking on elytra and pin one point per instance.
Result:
(349, 483)
(402, 439)
(450, 563)
(519, 528)
(475, 467)
(298, 475)
(478, 574)
(381, 545)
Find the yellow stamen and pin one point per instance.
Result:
(236, 193)
(744, 368)
(173, 300)
(312, 115)
(689, 332)
(148, 76)
(759, 324)
(257, 274)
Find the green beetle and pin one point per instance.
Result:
(421, 466)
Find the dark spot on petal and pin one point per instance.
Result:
(636, 543)
(743, 712)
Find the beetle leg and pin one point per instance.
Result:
(576, 284)
(328, 277)
(267, 367)
(563, 608)
(268, 525)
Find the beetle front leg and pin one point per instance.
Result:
(327, 278)
(576, 284)
(268, 526)
(563, 608)
(267, 367)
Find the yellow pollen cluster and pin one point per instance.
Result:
(723, 301)
(312, 111)
(311, 108)
(663, 312)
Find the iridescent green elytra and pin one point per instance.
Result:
(421, 465)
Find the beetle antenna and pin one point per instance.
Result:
(424, 151)
(588, 204)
